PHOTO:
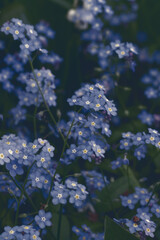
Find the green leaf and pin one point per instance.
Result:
(114, 231)
(109, 196)
(65, 228)
(62, 3)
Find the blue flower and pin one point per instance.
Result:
(85, 152)
(128, 201)
(18, 114)
(76, 197)
(138, 139)
(133, 227)
(117, 163)
(140, 152)
(14, 168)
(43, 219)
(151, 92)
(37, 179)
(146, 118)
(71, 184)
(125, 144)
(72, 152)
(122, 52)
(59, 194)
(48, 149)
(156, 210)
(43, 160)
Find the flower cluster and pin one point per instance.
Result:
(93, 13)
(153, 79)
(75, 192)
(94, 180)
(20, 232)
(92, 97)
(148, 206)
(89, 126)
(41, 79)
(119, 162)
(143, 225)
(34, 87)
(140, 140)
(35, 175)
(25, 33)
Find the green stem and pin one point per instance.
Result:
(129, 184)
(26, 195)
(22, 192)
(62, 3)
(109, 197)
(65, 142)
(34, 122)
(157, 185)
(59, 222)
(64, 146)
(45, 103)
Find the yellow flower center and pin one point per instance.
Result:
(76, 196)
(135, 225)
(59, 195)
(26, 227)
(1, 155)
(125, 144)
(123, 53)
(34, 237)
(85, 151)
(43, 160)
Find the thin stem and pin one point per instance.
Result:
(26, 195)
(109, 197)
(62, 3)
(46, 105)
(129, 184)
(64, 146)
(34, 122)
(65, 142)
(157, 185)
(59, 222)
(22, 192)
